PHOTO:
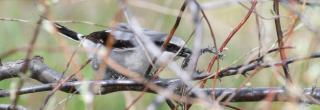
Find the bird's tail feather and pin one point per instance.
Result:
(68, 32)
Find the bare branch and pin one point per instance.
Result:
(309, 95)
(9, 107)
(39, 71)
(44, 74)
(254, 65)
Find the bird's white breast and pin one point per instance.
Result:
(134, 59)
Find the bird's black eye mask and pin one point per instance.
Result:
(102, 37)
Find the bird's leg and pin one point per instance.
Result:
(186, 53)
(185, 62)
(211, 50)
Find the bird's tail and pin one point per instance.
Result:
(68, 32)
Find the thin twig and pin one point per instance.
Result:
(25, 66)
(170, 35)
(232, 33)
(15, 19)
(226, 41)
(280, 41)
(58, 21)
(59, 85)
(82, 22)
(251, 66)
(61, 80)
(212, 36)
(164, 45)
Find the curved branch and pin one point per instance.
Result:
(39, 70)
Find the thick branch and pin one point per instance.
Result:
(41, 72)
(308, 95)
(107, 86)
(9, 107)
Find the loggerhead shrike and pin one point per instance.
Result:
(125, 50)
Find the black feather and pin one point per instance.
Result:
(67, 32)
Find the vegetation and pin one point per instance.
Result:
(261, 43)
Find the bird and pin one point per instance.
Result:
(125, 50)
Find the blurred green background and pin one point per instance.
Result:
(156, 15)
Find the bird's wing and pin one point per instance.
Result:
(124, 32)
